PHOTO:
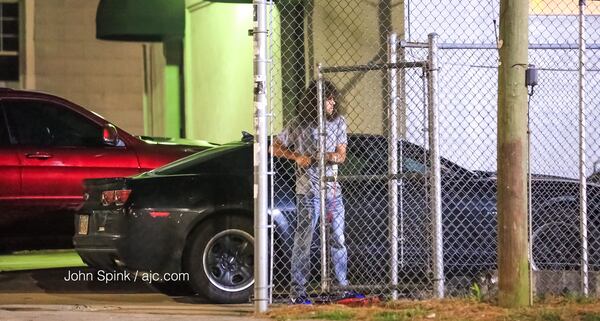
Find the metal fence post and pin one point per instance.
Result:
(435, 178)
(261, 232)
(582, 155)
(322, 184)
(393, 162)
(271, 92)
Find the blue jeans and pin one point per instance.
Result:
(307, 218)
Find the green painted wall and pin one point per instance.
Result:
(218, 70)
(163, 94)
(173, 90)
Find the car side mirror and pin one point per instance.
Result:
(110, 135)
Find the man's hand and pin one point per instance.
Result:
(337, 157)
(304, 161)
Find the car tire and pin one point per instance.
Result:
(220, 259)
(556, 246)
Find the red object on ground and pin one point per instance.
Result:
(359, 302)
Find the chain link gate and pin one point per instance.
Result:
(387, 185)
(303, 33)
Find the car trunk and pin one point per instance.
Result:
(101, 219)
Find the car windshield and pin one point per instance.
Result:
(206, 161)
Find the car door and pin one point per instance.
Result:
(58, 148)
(10, 169)
(414, 208)
(10, 184)
(365, 186)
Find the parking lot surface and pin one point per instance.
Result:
(45, 295)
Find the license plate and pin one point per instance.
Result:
(84, 221)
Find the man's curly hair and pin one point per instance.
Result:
(308, 108)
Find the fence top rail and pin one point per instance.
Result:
(372, 67)
(344, 178)
(493, 46)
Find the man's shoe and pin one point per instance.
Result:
(301, 300)
(352, 295)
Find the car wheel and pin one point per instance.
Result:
(556, 246)
(220, 259)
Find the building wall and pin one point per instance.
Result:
(339, 36)
(154, 94)
(103, 76)
(218, 71)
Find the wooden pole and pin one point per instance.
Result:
(513, 263)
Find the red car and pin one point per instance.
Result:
(48, 145)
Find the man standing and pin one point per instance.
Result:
(299, 142)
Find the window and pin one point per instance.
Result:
(36, 123)
(4, 139)
(370, 158)
(9, 41)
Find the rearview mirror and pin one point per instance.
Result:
(110, 136)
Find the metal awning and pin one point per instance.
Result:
(140, 20)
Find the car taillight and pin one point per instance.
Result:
(117, 197)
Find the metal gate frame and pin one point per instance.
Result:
(430, 70)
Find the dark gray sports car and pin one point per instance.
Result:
(195, 216)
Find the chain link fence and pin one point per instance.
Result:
(366, 222)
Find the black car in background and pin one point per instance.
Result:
(195, 215)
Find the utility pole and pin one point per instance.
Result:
(513, 262)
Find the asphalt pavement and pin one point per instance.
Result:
(56, 295)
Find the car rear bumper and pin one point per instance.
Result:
(114, 239)
(98, 251)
